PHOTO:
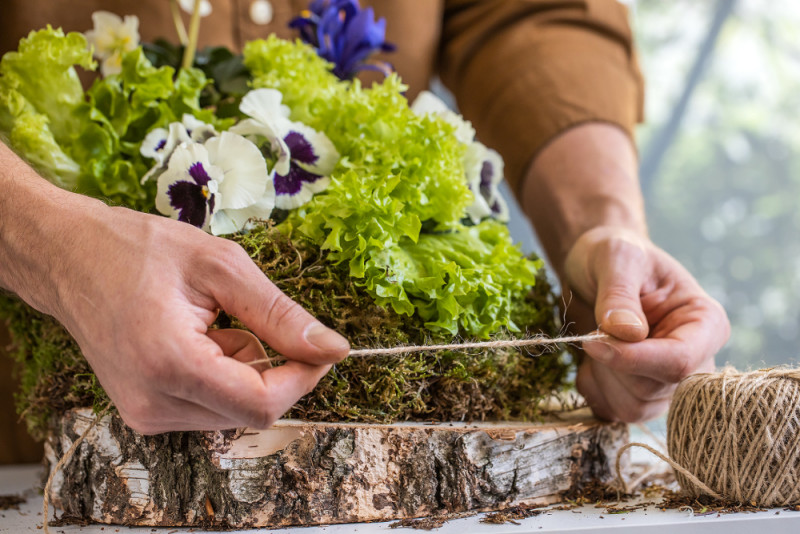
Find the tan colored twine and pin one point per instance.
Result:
(736, 436)
(484, 345)
(62, 462)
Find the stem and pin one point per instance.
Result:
(194, 31)
(180, 28)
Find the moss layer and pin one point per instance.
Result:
(444, 386)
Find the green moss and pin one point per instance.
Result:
(451, 385)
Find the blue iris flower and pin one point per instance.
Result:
(345, 35)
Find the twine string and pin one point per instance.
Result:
(699, 484)
(485, 345)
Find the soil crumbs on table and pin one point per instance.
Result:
(11, 502)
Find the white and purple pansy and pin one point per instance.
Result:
(160, 143)
(488, 181)
(483, 167)
(217, 186)
(304, 157)
(197, 130)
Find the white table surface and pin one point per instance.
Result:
(23, 480)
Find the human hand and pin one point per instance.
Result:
(664, 326)
(138, 293)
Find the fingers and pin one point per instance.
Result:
(611, 398)
(240, 393)
(696, 336)
(240, 345)
(162, 413)
(242, 290)
(620, 268)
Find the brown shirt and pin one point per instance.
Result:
(521, 70)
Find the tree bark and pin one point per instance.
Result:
(300, 473)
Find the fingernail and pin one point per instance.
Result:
(623, 318)
(602, 352)
(326, 339)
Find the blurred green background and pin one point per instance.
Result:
(720, 160)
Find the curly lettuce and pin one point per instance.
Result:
(398, 196)
(40, 93)
(89, 141)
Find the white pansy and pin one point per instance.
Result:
(304, 157)
(111, 37)
(160, 143)
(269, 118)
(197, 130)
(218, 186)
(188, 6)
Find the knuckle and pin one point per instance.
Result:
(228, 257)
(648, 390)
(280, 311)
(633, 412)
(682, 366)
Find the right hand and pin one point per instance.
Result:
(138, 293)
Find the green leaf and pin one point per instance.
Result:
(397, 197)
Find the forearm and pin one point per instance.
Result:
(37, 227)
(584, 178)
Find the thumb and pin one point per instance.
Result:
(618, 307)
(244, 291)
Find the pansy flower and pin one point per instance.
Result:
(111, 37)
(483, 167)
(304, 157)
(345, 35)
(160, 143)
(217, 186)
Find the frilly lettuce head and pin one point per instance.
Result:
(394, 213)
(89, 142)
(394, 210)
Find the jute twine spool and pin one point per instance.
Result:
(739, 435)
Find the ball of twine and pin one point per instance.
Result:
(738, 434)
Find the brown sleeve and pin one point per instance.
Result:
(524, 71)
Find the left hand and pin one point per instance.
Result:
(664, 326)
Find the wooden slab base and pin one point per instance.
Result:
(300, 473)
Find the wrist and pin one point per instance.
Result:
(585, 178)
(41, 225)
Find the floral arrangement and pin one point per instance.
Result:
(402, 198)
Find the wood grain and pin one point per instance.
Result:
(300, 473)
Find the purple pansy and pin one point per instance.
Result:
(304, 157)
(344, 34)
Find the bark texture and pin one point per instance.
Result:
(299, 473)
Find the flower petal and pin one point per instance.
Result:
(265, 106)
(187, 188)
(428, 103)
(261, 211)
(311, 149)
(297, 187)
(198, 130)
(245, 171)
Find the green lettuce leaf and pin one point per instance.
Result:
(89, 141)
(40, 93)
(394, 210)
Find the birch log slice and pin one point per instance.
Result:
(300, 473)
